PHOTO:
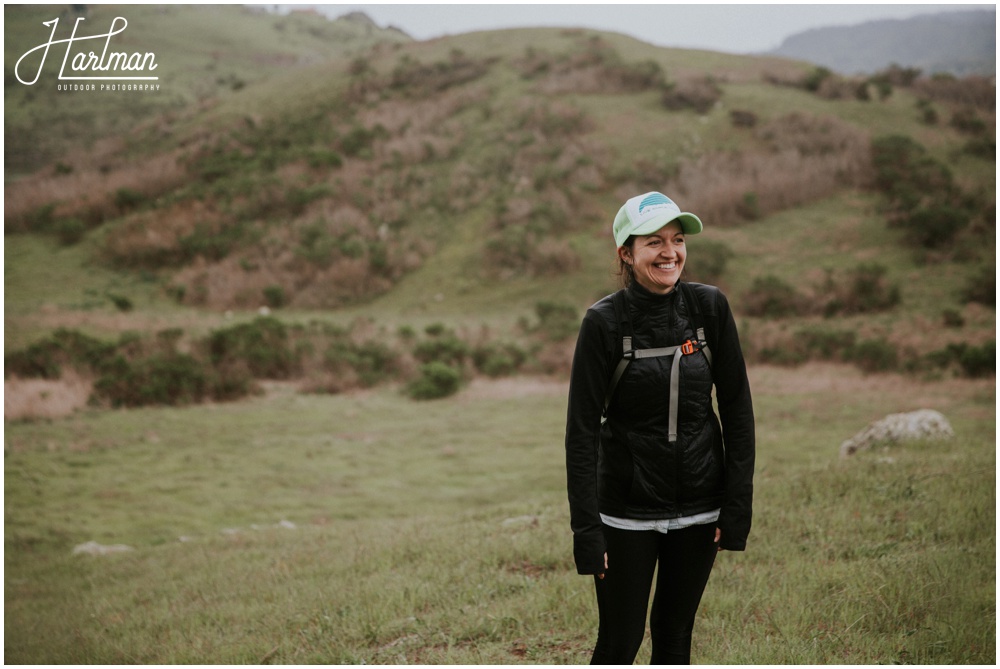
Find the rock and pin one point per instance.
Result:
(898, 427)
(94, 548)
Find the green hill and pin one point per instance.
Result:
(205, 53)
(471, 178)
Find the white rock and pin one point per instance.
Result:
(899, 427)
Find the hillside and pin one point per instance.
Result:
(472, 179)
(205, 54)
(958, 43)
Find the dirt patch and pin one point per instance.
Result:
(849, 382)
(43, 398)
(513, 387)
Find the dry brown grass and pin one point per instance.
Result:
(29, 399)
(88, 191)
(808, 158)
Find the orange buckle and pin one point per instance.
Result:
(687, 348)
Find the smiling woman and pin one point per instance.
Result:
(653, 487)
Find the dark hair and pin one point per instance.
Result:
(626, 273)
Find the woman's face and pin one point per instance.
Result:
(657, 259)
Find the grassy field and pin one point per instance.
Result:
(369, 528)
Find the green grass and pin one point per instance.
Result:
(437, 532)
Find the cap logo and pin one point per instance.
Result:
(654, 199)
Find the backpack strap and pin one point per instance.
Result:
(677, 352)
(694, 307)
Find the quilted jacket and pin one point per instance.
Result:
(627, 467)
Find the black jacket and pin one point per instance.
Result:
(627, 468)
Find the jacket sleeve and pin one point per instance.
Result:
(736, 415)
(588, 383)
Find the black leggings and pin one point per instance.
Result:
(685, 560)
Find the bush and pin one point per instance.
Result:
(982, 288)
(814, 79)
(708, 263)
(967, 121)
(771, 297)
(126, 199)
(865, 290)
(978, 362)
(826, 344)
(46, 358)
(972, 361)
(436, 380)
(69, 231)
(557, 320)
(171, 379)
(445, 348)
(262, 344)
(874, 355)
(935, 226)
(906, 174)
(274, 296)
(981, 147)
(498, 359)
(742, 119)
(697, 94)
(373, 361)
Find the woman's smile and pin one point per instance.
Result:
(658, 259)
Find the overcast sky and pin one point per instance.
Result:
(733, 28)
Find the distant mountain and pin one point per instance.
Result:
(959, 43)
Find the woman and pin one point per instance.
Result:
(652, 475)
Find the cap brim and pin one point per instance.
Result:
(690, 224)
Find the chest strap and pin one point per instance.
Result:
(677, 352)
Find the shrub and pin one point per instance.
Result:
(952, 318)
(749, 207)
(697, 94)
(865, 290)
(742, 119)
(826, 344)
(928, 115)
(46, 358)
(436, 380)
(771, 297)
(967, 121)
(274, 296)
(262, 344)
(69, 231)
(708, 262)
(935, 225)
(557, 320)
(171, 379)
(874, 355)
(126, 199)
(814, 79)
(121, 302)
(498, 359)
(324, 158)
(906, 174)
(981, 147)
(979, 361)
(373, 361)
(972, 361)
(982, 287)
(445, 348)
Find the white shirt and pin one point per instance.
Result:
(663, 526)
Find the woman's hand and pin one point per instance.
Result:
(718, 543)
(601, 575)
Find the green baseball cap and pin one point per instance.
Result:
(645, 214)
